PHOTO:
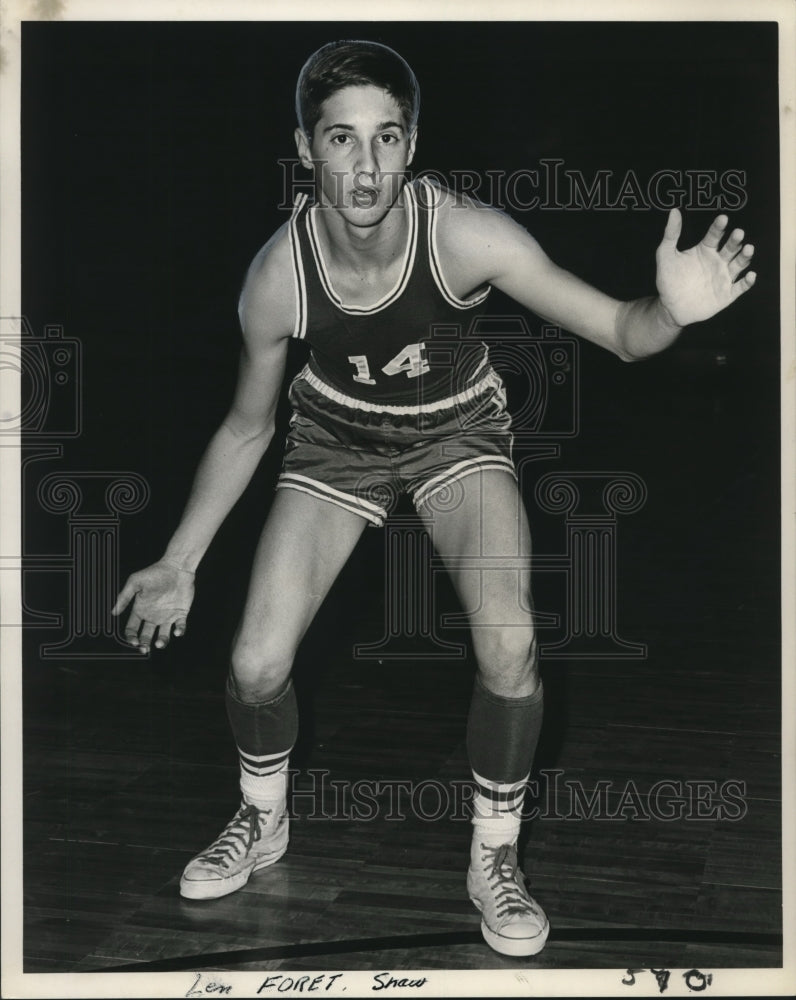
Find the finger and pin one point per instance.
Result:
(164, 634)
(713, 236)
(131, 629)
(741, 261)
(147, 634)
(127, 594)
(176, 628)
(732, 245)
(133, 623)
(671, 234)
(743, 284)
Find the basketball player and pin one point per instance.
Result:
(363, 274)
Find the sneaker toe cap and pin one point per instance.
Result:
(199, 871)
(523, 930)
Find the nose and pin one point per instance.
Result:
(367, 165)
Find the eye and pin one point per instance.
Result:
(342, 139)
(388, 139)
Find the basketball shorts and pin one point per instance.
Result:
(363, 456)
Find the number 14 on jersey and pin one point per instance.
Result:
(409, 360)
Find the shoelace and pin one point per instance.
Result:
(511, 897)
(242, 831)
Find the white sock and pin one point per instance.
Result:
(497, 809)
(494, 832)
(267, 791)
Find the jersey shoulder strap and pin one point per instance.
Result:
(430, 195)
(300, 208)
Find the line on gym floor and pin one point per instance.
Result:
(594, 935)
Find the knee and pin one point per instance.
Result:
(508, 662)
(511, 648)
(259, 671)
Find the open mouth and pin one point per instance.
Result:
(364, 197)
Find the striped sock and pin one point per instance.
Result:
(265, 734)
(498, 801)
(497, 809)
(263, 779)
(502, 734)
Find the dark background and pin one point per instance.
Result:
(150, 179)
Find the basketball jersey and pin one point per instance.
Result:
(413, 346)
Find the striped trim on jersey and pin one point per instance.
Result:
(498, 800)
(448, 403)
(406, 267)
(299, 283)
(459, 471)
(356, 505)
(264, 765)
(433, 194)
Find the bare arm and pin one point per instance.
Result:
(233, 454)
(485, 246)
(163, 592)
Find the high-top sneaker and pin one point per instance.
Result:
(511, 921)
(254, 838)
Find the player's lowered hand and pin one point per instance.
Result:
(162, 595)
(697, 283)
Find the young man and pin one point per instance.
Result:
(365, 274)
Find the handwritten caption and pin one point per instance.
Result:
(324, 982)
(319, 983)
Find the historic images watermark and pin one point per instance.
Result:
(551, 796)
(91, 503)
(552, 185)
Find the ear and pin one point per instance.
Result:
(303, 147)
(412, 144)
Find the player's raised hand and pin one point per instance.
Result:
(162, 595)
(697, 283)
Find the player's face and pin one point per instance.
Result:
(360, 150)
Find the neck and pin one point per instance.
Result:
(365, 247)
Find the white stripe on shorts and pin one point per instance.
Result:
(356, 505)
(459, 471)
(449, 403)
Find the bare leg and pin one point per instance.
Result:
(488, 524)
(303, 547)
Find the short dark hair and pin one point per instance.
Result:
(351, 63)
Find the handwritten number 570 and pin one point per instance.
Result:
(695, 980)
